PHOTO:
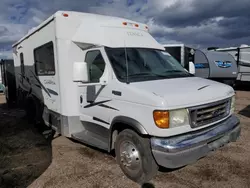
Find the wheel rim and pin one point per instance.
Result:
(130, 157)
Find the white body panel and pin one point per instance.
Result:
(72, 36)
(41, 85)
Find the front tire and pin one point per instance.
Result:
(133, 154)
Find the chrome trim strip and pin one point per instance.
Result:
(217, 107)
(209, 104)
(196, 138)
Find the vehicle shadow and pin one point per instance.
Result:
(25, 150)
(242, 86)
(147, 185)
(245, 111)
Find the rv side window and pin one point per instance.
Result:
(22, 64)
(96, 65)
(44, 60)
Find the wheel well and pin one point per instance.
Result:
(117, 128)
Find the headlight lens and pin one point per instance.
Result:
(232, 105)
(171, 119)
(178, 118)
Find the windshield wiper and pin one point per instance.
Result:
(173, 71)
(139, 74)
(178, 71)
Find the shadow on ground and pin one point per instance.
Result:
(147, 185)
(242, 86)
(245, 111)
(25, 151)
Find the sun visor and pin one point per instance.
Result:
(115, 37)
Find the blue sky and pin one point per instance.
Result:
(201, 23)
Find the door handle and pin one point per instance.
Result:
(81, 99)
(118, 93)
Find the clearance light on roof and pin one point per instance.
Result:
(130, 24)
(65, 15)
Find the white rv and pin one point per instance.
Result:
(242, 56)
(107, 82)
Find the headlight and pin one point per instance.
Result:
(232, 105)
(171, 119)
(178, 118)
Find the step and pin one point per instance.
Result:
(92, 139)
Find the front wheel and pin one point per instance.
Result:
(133, 154)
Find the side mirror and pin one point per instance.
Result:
(80, 72)
(191, 68)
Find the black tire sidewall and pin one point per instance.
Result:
(30, 109)
(149, 166)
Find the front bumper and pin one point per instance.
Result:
(181, 150)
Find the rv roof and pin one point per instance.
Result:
(173, 45)
(101, 18)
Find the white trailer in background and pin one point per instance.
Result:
(107, 82)
(242, 56)
(218, 66)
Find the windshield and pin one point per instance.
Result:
(144, 64)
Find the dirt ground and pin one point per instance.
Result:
(29, 159)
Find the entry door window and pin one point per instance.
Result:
(22, 64)
(96, 65)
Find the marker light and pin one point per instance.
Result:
(65, 15)
(125, 23)
(136, 25)
(161, 119)
(146, 27)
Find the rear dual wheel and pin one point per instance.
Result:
(134, 156)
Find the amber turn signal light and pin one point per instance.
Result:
(161, 119)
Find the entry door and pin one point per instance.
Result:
(94, 99)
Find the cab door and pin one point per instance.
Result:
(94, 98)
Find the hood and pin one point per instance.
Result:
(186, 92)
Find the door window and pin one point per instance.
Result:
(22, 64)
(96, 65)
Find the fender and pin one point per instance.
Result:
(130, 122)
(134, 124)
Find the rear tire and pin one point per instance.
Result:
(30, 110)
(134, 156)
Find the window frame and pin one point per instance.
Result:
(93, 50)
(35, 63)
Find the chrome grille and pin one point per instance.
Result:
(209, 113)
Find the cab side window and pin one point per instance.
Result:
(96, 65)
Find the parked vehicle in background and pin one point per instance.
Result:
(1, 83)
(216, 66)
(242, 56)
(8, 80)
(107, 82)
